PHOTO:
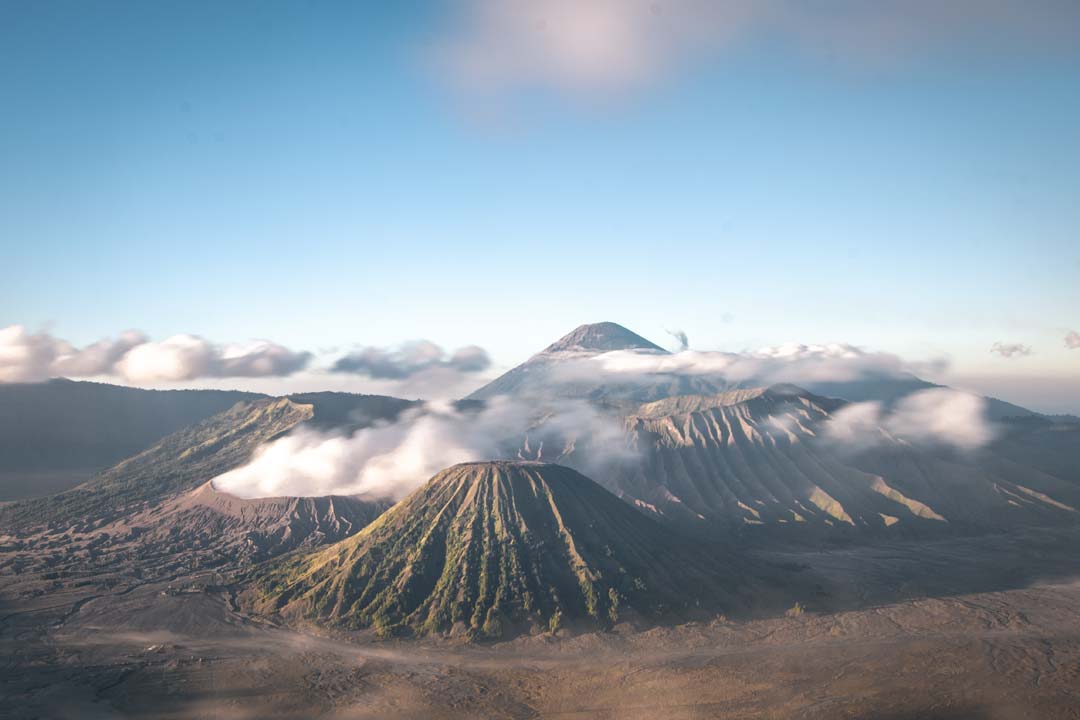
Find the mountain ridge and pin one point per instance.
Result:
(75, 429)
(184, 460)
(764, 457)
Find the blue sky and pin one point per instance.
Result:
(330, 175)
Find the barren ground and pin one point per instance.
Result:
(965, 628)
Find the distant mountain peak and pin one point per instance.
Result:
(602, 337)
(535, 376)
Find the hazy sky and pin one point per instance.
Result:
(903, 176)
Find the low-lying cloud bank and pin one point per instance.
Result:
(938, 416)
(389, 461)
(790, 363)
(135, 358)
(35, 357)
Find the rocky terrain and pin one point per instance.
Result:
(761, 458)
(954, 629)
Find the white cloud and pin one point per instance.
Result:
(180, 357)
(856, 425)
(938, 416)
(26, 357)
(790, 363)
(379, 462)
(34, 357)
(96, 359)
(260, 358)
(391, 460)
(417, 369)
(942, 415)
(1072, 340)
(186, 357)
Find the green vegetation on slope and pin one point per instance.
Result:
(493, 548)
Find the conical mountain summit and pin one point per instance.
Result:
(491, 548)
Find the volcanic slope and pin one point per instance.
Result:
(184, 460)
(178, 463)
(551, 372)
(157, 515)
(244, 531)
(762, 457)
(497, 548)
(56, 434)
